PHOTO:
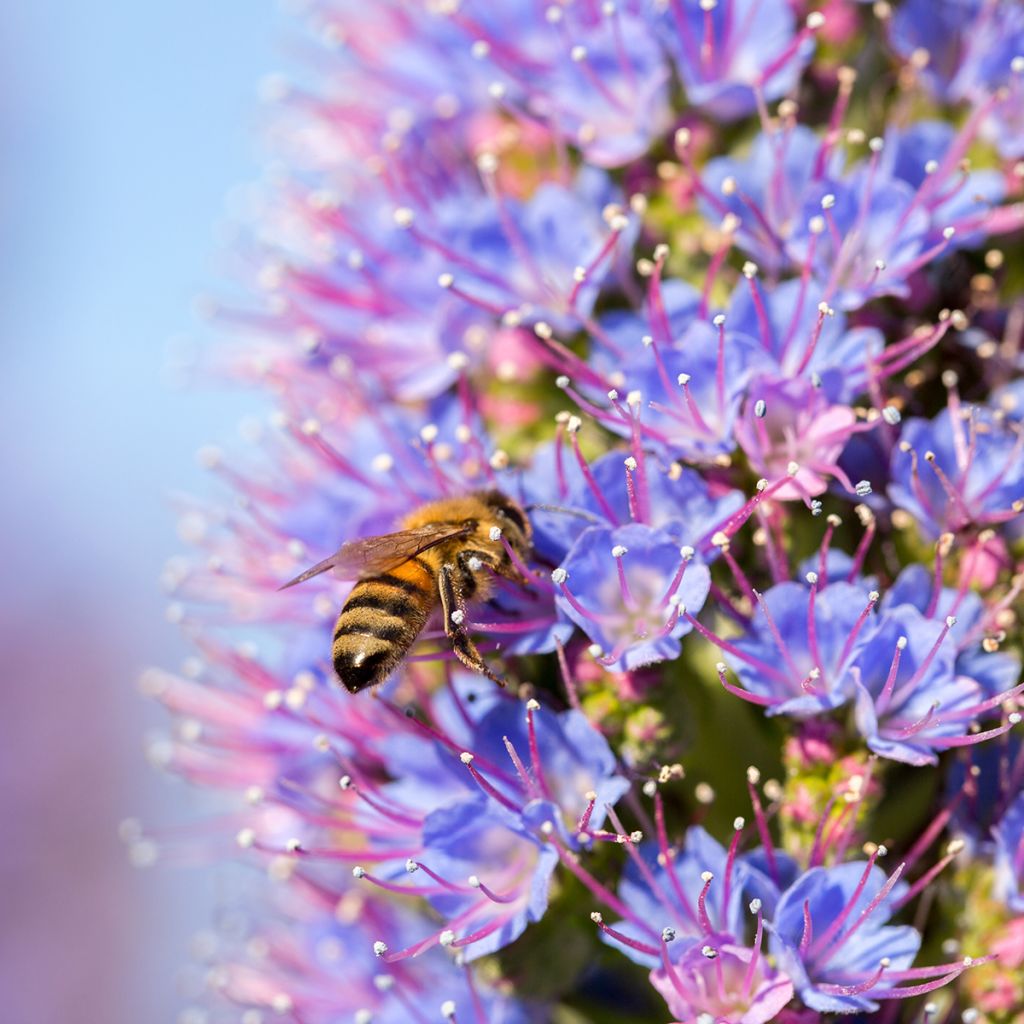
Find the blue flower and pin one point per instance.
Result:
(973, 472)
(698, 893)
(628, 587)
(801, 663)
(829, 935)
(726, 50)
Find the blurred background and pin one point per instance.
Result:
(123, 126)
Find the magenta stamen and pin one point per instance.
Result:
(854, 990)
(571, 691)
(491, 791)
(480, 933)
(817, 855)
(730, 862)
(836, 926)
(702, 912)
(855, 632)
(668, 859)
(627, 598)
(604, 895)
(725, 645)
(670, 971)
(750, 698)
(640, 947)
(916, 678)
(808, 930)
(584, 823)
(780, 644)
(867, 911)
(882, 703)
(602, 501)
(608, 246)
(597, 617)
(949, 742)
(982, 706)
(538, 769)
(527, 780)
(410, 890)
(738, 574)
(675, 583)
(812, 343)
(763, 322)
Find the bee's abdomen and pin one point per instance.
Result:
(380, 621)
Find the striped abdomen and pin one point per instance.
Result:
(380, 621)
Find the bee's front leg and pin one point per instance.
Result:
(454, 612)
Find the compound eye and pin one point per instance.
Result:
(513, 514)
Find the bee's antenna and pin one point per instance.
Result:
(565, 511)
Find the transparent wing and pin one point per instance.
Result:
(378, 554)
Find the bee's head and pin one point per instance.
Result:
(512, 520)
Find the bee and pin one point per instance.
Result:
(447, 552)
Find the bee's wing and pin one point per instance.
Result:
(378, 554)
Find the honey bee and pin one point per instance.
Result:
(447, 552)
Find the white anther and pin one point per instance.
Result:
(815, 20)
(812, 578)
(245, 838)
(630, 463)
(686, 552)
(532, 705)
(718, 320)
(447, 937)
(816, 225)
(828, 201)
(559, 575)
(750, 269)
(683, 379)
(760, 408)
(619, 550)
(494, 533)
(466, 757)
(358, 872)
(403, 217)
(380, 948)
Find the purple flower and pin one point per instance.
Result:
(627, 589)
(994, 671)
(726, 52)
(971, 48)
(696, 894)
(798, 655)
(972, 472)
(725, 982)
(862, 231)
(1009, 856)
(482, 831)
(317, 965)
(830, 936)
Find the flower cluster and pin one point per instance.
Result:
(714, 307)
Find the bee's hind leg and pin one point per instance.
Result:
(454, 612)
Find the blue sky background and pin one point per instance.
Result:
(123, 127)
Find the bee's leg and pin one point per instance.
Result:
(454, 612)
